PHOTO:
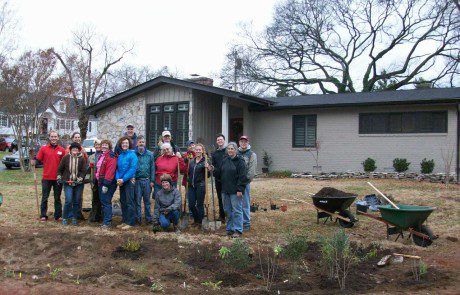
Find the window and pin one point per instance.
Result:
(403, 122)
(62, 107)
(89, 126)
(172, 117)
(304, 131)
(3, 121)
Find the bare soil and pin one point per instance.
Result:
(36, 258)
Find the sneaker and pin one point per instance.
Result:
(121, 225)
(126, 227)
(229, 233)
(236, 235)
(246, 228)
(74, 221)
(43, 219)
(105, 226)
(64, 222)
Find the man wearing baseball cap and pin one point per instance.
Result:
(165, 138)
(129, 133)
(250, 158)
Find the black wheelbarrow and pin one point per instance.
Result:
(335, 206)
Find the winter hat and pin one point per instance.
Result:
(166, 177)
(189, 142)
(75, 145)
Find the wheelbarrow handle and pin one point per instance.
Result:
(388, 200)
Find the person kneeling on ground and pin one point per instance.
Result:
(167, 204)
(71, 172)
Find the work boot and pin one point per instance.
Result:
(64, 222)
(121, 225)
(126, 227)
(236, 235)
(74, 221)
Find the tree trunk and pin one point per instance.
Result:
(82, 122)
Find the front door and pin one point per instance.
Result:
(236, 129)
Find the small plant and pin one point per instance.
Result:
(237, 255)
(132, 245)
(371, 254)
(339, 256)
(157, 288)
(54, 272)
(296, 247)
(9, 273)
(369, 165)
(269, 265)
(419, 269)
(223, 252)
(215, 286)
(427, 166)
(267, 159)
(400, 165)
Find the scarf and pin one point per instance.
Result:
(73, 167)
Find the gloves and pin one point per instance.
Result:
(105, 189)
(80, 180)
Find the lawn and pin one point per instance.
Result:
(90, 260)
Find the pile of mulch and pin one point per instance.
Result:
(330, 192)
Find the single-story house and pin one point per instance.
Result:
(347, 128)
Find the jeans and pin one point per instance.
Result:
(72, 200)
(157, 187)
(172, 216)
(128, 203)
(142, 191)
(96, 206)
(233, 206)
(106, 201)
(196, 201)
(247, 207)
(46, 189)
(219, 198)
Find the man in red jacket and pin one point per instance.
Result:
(51, 155)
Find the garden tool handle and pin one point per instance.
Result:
(385, 197)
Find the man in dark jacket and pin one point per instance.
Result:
(167, 204)
(217, 158)
(129, 133)
(233, 176)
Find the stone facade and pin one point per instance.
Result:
(113, 120)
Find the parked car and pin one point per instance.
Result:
(88, 145)
(11, 161)
(9, 142)
(3, 145)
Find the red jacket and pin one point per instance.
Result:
(189, 155)
(168, 165)
(51, 157)
(108, 168)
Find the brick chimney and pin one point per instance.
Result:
(201, 80)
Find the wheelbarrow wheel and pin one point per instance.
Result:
(419, 241)
(346, 214)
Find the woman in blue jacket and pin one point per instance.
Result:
(126, 172)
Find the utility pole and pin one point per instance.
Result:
(237, 66)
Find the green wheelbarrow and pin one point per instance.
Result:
(407, 218)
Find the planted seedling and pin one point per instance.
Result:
(223, 252)
(215, 286)
(157, 288)
(132, 245)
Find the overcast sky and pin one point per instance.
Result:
(188, 36)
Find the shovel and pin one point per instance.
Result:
(31, 156)
(206, 224)
(183, 223)
(205, 221)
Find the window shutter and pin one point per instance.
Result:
(311, 131)
(298, 133)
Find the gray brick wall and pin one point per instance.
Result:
(342, 147)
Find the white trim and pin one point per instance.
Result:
(405, 135)
(225, 116)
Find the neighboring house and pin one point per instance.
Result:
(351, 127)
(61, 116)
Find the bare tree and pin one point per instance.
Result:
(129, 76)
(27, 88)
(87, 65)
(447, 155)
(351, 45)
(232, 74)
(8, 23)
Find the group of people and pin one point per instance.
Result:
(138, 172)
